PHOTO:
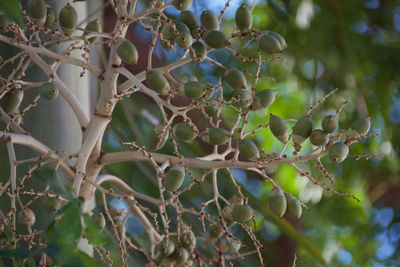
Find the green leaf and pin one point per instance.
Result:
(12, 10)
(94, 234)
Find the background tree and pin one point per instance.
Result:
(180, 190)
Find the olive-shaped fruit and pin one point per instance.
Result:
(236, 199)
(127, 51)
(241, 213)
(37, 10)
(198, 51)
(227, 214)
(49, 91)
(181, 255)
(188, 240)
(269, 44)
(278, 128)
(361, 125)
(11, 101)
(329, 123)
(244, 97)
(279, 38)
(27, 216)
(68, 19)
(174, 177)
(184, 132)
(94, 26)
(294, 208)
(277, 202)
(98, 220)
(50, 204)
(302, 129)
(157, 82)
(319, 137)
(216, 39)
(229, 246)
(263, 99)
(217, 136)
(168, 36)
(248, 149)
(193, 90)
(157, 138)
(215, 232)
(338, 152)
(190, 19)
(50, 18)
(243, 18)
(235, 78)
(209, 20)
(169, 248)
(184, 40)
(182, 4)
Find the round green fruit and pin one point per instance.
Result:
(217, 136)
(98, 220)
(127, 51)
(302, 129)
(157, 138)
(263, 99)
(11, 101)
(227, 214)
(184, 40)
(49, 91)
(27, 216)
(193, 90)
(188, 240)
(209, 20)
(244, 97)
(182, 4)
(198, 51)
(216, 39)
(278, 128)
(319, 137)
(50, 18)
(184, 132)
(243, 18)
(174, 177)
(230, 246)
(361, 125)
(248, 149)
(37, 10)
(329, 123)
(235, 78)
(50, 204)
(294, 208)
(241, 213)
(279, 38)
(269, 44)
(190, 19)
(181, 255)
(94, 26)
(68, 19)
(169, 248)
(338, 152)
(157, 82)
(277, 202)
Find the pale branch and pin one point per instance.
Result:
(9, 121)
(13, 179)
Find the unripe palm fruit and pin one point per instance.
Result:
(184, 132)
(279, 38)
(49, 91)
(158, 138)
(174, 177)
(329, 123)
(94, 26)
(216, 39)
(244, 98)
(50, 18)
(168, 36)
(188, 240)
(361, 125)
(98, 220)
(182, 4)
(199, 51)
(50, 204)
(338, 152)
(302, 129)
(27, 216)
(193, 90)
(248, 149)
(215, 232)
(227, 214)
(277, 202)
(190, 19)
(268, 43)
(169, 248)
(180, 255)
(263, 99)
(319, 137)
(38, 11)
(127, 51)
(229, 246)
(278, 128)
(294, 208)
(209, 20)
(157, 82)
(217, 136)
(235, 78)
(184, 40)
(11, 100)
(241, 213)
(68, 19)
(243, 18)
(236, 199)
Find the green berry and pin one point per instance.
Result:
(198, 51)
(248, 149)
(269, 44)
(184, 132)
(278, 128)
(217, 136)
(27, 216)
(182, 4)
(11, 101)
(243, 18)
(94, 26)
(329, 123)
(294, 208)
(244, 97)
(50, 18)
(227, 214)
(230, 246)
(190, 19)
(157, 82)
(279, 38)
(361, 125)
(50, 204)
(181, 255)
(127, 51)
(98, 220)
(277, 202)
(184, 40)
(209, 20)
(338, 152)
(235, 78)
(263, 99)
(319, 137)
(174, 177)
(236, 199)
(68, 19)
(37, 10)
(169, 248)
(241, 213)
(193, 90)
(49, 91)
(156, 140)
(216, 39)
(188, 240)
(302, 129)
